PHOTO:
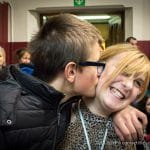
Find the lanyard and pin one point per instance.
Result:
(85, 131)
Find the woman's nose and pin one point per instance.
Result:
(128, 83)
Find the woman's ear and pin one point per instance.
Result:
(70, 71)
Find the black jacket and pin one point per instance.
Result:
(30, 115)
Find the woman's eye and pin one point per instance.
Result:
(126, 74)
(138, 83)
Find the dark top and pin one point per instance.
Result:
(30, 114)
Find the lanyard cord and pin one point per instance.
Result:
(105, 135)
(83, 124)
(85, 131)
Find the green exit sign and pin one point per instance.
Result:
(78, 3)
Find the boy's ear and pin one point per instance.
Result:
(70, 71)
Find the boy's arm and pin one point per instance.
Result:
(129, 124)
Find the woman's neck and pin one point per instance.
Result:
(95, 107)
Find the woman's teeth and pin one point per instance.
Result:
(117, 93)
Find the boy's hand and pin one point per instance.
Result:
(129, 124)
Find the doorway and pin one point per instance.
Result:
(112, 28)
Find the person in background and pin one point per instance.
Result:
(2, 58)
(23, 56)
(144, 106)
(35, 110)
(132, 40)
(23, 59)
(123, 80)
(147, 109)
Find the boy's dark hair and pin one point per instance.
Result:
(62, 39)
(129, 38)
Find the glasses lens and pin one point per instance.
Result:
(100, 69)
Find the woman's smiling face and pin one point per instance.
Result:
(122, 90)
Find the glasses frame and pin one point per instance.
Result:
(100, 65)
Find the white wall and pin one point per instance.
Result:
(146, 20)
(25, 22)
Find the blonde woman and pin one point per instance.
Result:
(124, 80)
(2, 57)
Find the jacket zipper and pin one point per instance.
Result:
(60, 107)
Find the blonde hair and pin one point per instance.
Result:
(134, 62)
(4, 55)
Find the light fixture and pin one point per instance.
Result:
(44, 18)
(94, 17)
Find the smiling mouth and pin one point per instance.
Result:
(117, 93)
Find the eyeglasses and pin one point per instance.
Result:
(100, 65)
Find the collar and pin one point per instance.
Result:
(40, 88)
(36, 86)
